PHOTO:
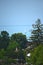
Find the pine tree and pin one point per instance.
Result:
(37, 33)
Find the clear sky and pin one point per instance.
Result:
(19, 15)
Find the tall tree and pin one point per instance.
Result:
(37, 33)
(4, 39)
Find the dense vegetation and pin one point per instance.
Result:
(13, 49)
(37, 56)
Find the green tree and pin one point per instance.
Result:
(37, 56)
(37, 33)
(20, 38)
(4, 39)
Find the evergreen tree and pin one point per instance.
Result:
(37, 33)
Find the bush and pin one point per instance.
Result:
(37, 56)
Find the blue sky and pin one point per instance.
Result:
(19, 15)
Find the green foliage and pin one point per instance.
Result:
(11, 50)
(13, 45)
(15, 49)
(37, 56)
(2, 53)
(20, 38)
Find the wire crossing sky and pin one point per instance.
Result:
(19, 15)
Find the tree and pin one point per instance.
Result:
(37, 33)
(20, 38)
(17, 46)
(4, 39)
(36, 57)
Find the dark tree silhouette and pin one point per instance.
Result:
(4, 39)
